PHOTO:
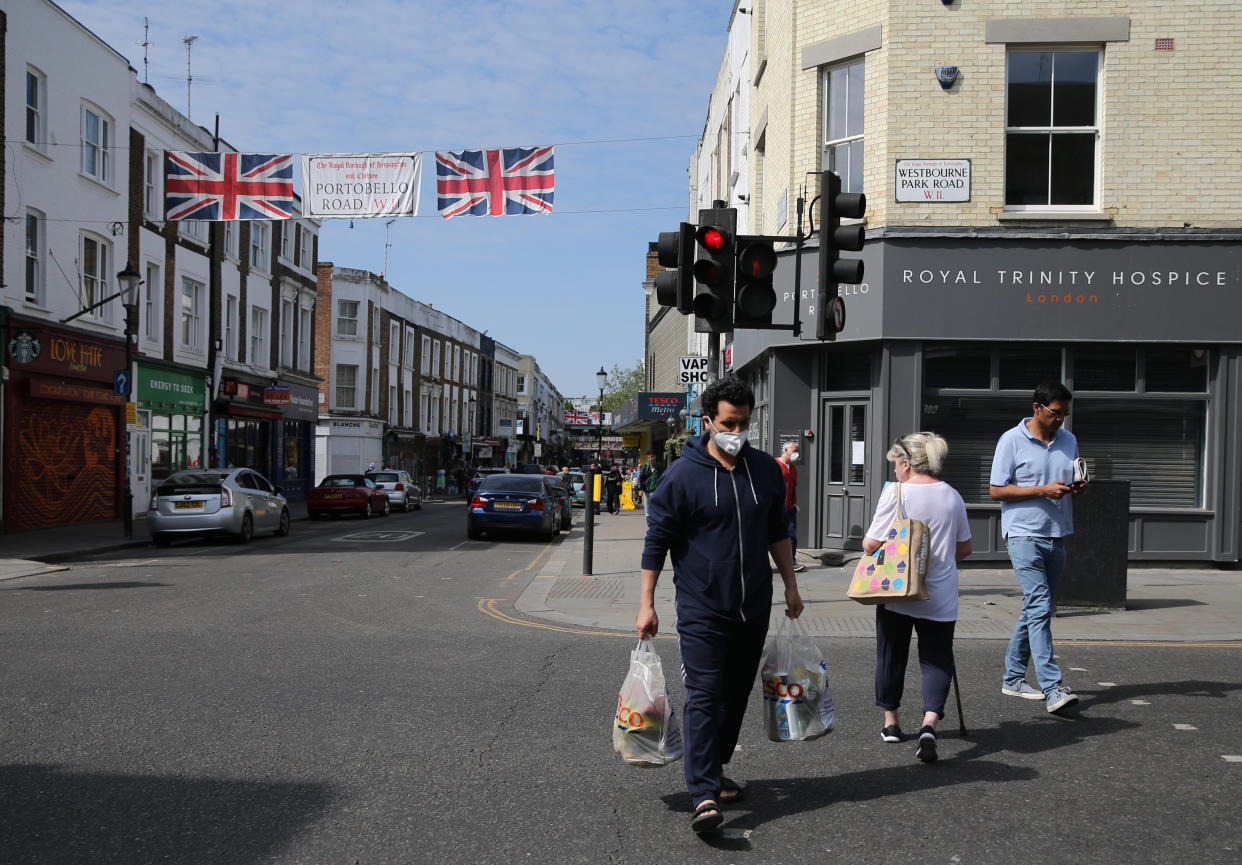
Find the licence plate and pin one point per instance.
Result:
(334, 495)
(507, 506)
(186, 506)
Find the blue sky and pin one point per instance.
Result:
(308, 76)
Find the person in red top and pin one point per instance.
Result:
(789, 456)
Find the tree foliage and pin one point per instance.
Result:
(623, 385)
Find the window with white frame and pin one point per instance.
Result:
(1052, 129)
(306, 249)
(191, 312)
(347, 318)
(152, 205)
(426, 358)
(198, 229)
(286, 333)
(375, 324)
(230, 238)
(35, 231)
(152, 308)
(258, 336)
(36, 109)
(394, 342)
(457, 363)
(521, 385)
(259, 244)
(304, 340)
(393, 416)
(424, 420)
(231, 323)
(96, 141)
(407, 408)
(435, 358)
(288, 232)
(94, 273)
(346, 386)
(843, 123)
(375, 388)
(407, 356)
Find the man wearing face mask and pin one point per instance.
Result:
(789, 456)
(720, 511)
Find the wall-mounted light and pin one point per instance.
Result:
(946, 75)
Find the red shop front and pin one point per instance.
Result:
(63, 426)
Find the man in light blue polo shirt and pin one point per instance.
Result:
(1032, 477)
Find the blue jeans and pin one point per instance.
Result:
(791, 517)
(1038, 562)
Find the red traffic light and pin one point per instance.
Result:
(711, 238)
(757, 261)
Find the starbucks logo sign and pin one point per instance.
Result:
(24, 347)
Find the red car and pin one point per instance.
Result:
(338, 494)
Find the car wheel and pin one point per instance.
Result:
(386, 509)
(283, 528)
(247, 529)
(161, 540)
(366, 511)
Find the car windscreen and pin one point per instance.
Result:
(511, 484)
(342, 481)
(191, 482)
(384, 477)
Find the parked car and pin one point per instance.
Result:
(514, 502)
(236, 501)
(338, 494)
(579, 481)
(402, 491)
(564, 500)
(479, 474)
(533, 469)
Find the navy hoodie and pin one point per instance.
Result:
(718, 524)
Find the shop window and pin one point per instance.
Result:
(1175, 370)
(161, 446)
(843, 123)
(1111, 369)
(957, 367)
(972, 426)
(34, 257)
(294, 431)
(1051, 128)
(1157, 445)
(1025, 368)
(246, 444)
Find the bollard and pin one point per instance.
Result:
(588, 529)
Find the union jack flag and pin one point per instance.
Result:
(581, 418)
(495, 182)
(221, 186)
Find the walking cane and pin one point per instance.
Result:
(961, 722)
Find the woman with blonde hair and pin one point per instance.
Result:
(918, 459)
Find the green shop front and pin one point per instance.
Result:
(168, 433)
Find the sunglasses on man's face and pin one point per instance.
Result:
(1055, 412)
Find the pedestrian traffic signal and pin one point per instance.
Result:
(715, 244)
(756, 298)
(675, 249)
(835, 205)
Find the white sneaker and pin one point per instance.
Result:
(1022, 689)
(1061, 698)
(799, 567)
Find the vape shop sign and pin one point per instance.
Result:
(932, 180)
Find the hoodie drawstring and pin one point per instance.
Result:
(715, 480)
(752, 482)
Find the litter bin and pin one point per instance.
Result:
(1097, 552)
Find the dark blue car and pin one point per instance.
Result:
(515, 503)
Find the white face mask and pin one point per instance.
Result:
(793, 457)
(729, 442)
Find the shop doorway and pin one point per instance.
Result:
(846, 505)
(140, 460)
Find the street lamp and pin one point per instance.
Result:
(601, 379)
(129, 280)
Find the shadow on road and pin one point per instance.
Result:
(120, 584)
(53, 816)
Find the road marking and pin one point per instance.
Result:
(1140, 702)
(379, 537)
(487, 606)
(546, 577)
(1078, 669)
(1232, 758)
(1184, 727)
(1107, 684)
(1163, 644)
(538, 557)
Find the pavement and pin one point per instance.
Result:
(1164, 603)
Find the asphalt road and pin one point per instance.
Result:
(363, 692)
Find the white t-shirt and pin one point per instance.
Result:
(940, 506)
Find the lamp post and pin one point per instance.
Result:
(601, 379)
(129, 279)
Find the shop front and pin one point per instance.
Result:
(347, 445)
(299, 407)
(644, 422)
(953, 334)
(169, 432)
(63, 425)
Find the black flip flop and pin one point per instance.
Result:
(727, 783)
(707, 817)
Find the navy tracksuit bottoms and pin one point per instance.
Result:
(719, 661)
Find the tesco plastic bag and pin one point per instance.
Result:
(797, 703)
(645, 731)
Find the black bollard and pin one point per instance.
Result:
(588, 536)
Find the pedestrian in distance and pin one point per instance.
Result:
(918, 459)
(614, 489)
(647, 476)
(789, 456)
(1033, 479)
(720, 513)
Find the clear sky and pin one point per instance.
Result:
(313, 76)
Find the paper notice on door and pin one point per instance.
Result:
(858, 452)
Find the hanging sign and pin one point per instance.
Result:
(360, 185)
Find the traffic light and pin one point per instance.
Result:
(715, 244)
(835, 205)
(675, 249)
(756, 298)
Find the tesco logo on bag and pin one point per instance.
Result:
(776, 689)
(627, 717)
